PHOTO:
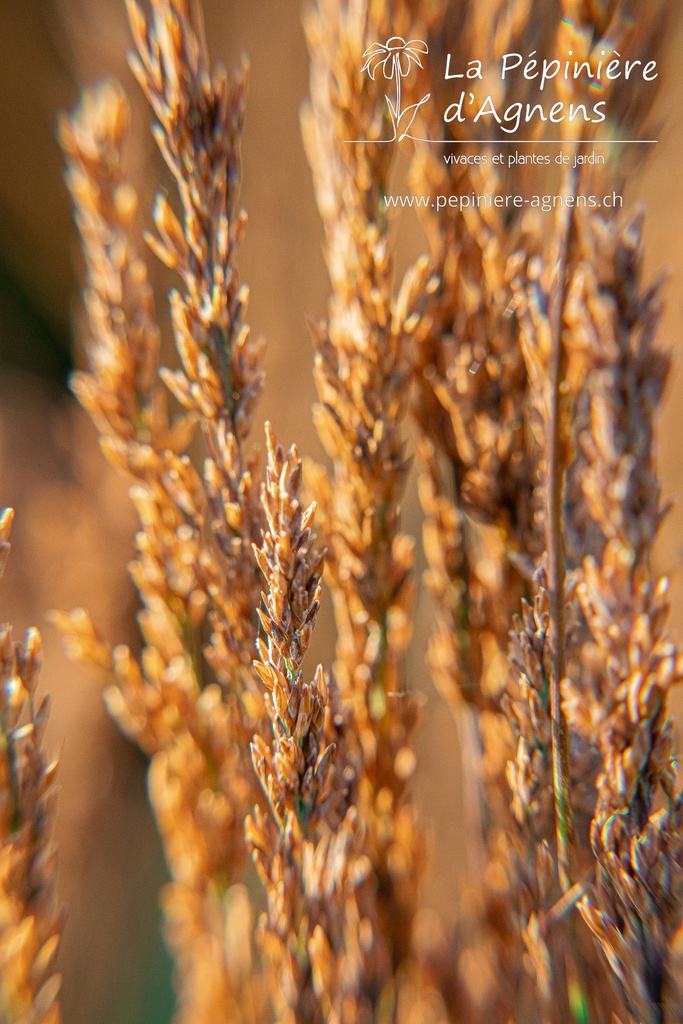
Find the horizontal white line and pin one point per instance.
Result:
(512, 142)
(564, 142)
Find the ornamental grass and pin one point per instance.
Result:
(515, 368)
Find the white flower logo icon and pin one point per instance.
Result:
(394, 59)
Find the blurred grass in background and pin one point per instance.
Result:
(73, 532)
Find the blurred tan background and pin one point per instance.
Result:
(73, 531)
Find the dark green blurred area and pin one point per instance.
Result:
(29, 340)
(35, 260)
